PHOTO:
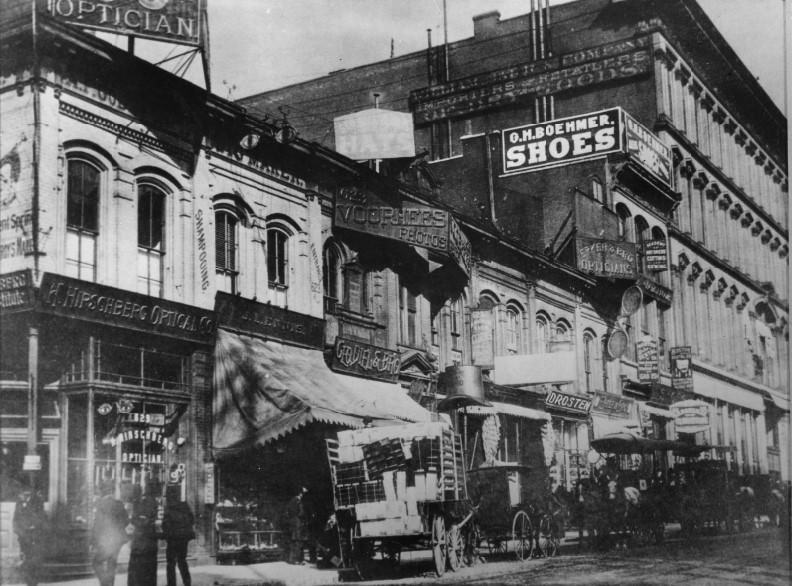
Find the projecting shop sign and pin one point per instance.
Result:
(641, 144)
(567, 402)
(605, 258)
(175, 21)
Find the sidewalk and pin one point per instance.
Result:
(265, 574)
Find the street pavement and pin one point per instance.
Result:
(754, 558)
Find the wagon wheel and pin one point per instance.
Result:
(439, 549)
(522, 534)
(455, 548)
(391, 552)
(547, 543)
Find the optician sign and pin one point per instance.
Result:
(175, 21)
(414, 224)
(606, 258)
(557, 142)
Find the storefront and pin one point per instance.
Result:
(118, 408)
(275, 401)
(570, 413)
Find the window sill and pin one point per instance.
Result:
(278, 286)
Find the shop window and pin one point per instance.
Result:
(562, 337)
(82, 218)
(139, 366)
(278, 257)
(151, 232)
(13, 479)
(226, 236)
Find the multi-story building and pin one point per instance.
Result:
(509, 122)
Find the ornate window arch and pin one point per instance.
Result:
(153, 195)
(543, 334)
(514, 326)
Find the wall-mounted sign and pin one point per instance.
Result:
(375, 134)
(655, 290)
(209, 483)
(357, 358)
(269, 320)
(495, 89)
(682, 368)
(427, 227)
(606, 258)
(644, 146)
(647, 359)
(16, 291)
(655, 255)
(610, 404)
(690, 416)
(555, 400)
(79, 299)
(175, 21)
(561, 141)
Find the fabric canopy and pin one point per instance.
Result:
(264, 390)
(509, 409)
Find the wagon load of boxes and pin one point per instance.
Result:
(387, 474)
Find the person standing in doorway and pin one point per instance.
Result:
(109, 534)
(296, 514)
(177, 528)
(143, 549)
(30, 526)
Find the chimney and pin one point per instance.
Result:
(486, 25)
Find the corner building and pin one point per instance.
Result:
(697, 190)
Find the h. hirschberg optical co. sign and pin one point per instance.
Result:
(564, 140)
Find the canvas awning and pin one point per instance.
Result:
(509, 409)
(264, 390)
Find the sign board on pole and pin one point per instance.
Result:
(617, 343)
(690, 416)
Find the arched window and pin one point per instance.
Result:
(542, 332)
(455, 322)
(278, 256)
(624, 222)
(642, 235)
(82, 217)
(596, 190)
(514, 328)
(226, 237)
(332, 275)
(589, 359)
(151, 234)
(562, 336)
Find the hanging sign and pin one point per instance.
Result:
(655, 255)
(561, 141)
(610, 404)
(617, 343)
(567, 402)
(647, 358)
(16, 289)
(606, 258)
(31, 463)
(646, 148)
(690, 416)
(174, 21)
(682, 368)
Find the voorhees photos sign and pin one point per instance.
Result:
(564, 140)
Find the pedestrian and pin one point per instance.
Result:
(109, 534)
(143, 549)
(29, 523)
(295, 511)
(177, 528)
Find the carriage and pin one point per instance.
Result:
(404, 487)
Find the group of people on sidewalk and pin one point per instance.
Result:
(113, 527)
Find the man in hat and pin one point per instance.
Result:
(109, 534)
(295, 511)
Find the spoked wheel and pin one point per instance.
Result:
(548, 544)
(455, 548)
(522, 534)
(439, 545)
(495, 545)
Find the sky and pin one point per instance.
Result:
(258, 45)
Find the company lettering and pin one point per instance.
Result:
(368, 358)
(571, 402)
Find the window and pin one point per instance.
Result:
(332, 277)
(456, 323)
(151, 229)
(542, 340)
(642, 234)
(278, 257)
(82, 218)
(624, 222)
(588, 359)
(596, 190)
(513, 329)
(226, 227)
(407, 310)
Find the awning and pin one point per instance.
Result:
(509, 409)
(777, 402)
(264, 390)
(603, 426)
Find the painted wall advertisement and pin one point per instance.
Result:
(681, 368)
(606, 258)
(413, 224)
(564, 140)
(175, 21)
(648, 360)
